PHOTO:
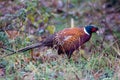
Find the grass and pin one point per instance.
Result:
(20, 67)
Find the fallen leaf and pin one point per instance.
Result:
(12, 34)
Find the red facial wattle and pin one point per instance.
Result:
(94, 29)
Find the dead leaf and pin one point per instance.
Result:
(12, 34)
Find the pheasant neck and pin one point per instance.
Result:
(86, 31)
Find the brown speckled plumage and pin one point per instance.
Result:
(69, 42)
(65, 41)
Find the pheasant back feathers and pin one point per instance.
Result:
(70, 39)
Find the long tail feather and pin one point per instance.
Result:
(30, 47)
(24, 49)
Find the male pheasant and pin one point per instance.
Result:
(67, 40)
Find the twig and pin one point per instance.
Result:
(77, 77)
(7, 55)
(5, 48)
(72, 22)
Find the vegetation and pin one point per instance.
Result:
(24, 22)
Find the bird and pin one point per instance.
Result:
(66, 41)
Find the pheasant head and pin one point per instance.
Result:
(90, 29)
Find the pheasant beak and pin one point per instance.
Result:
(98, 31)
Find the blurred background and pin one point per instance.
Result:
(24, 22)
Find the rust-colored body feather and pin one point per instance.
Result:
(70, 39)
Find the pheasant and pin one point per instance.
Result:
(67, 40)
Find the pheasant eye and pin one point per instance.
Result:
(94, 29)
